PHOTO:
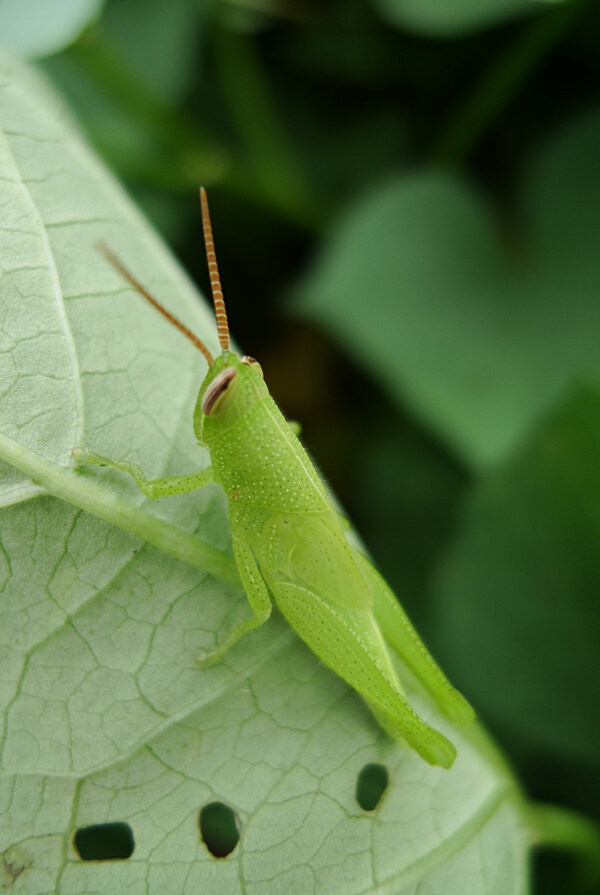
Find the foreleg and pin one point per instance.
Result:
(165, 487)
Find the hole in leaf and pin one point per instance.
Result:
(371, 784)
(104, 842)
(219, 828)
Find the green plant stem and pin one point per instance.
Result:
(567, 830)
(78, 490)
(502, 80)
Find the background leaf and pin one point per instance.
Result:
(525, 566)
(480, 337)
(158, 40)
(106, 717)
(457, 17)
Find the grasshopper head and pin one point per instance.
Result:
(232, 386)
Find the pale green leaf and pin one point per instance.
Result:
(107, 599)
(35, 28)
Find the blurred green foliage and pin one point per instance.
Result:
(405, 195)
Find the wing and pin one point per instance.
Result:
(310, 550)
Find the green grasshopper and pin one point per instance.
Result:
(289, 542)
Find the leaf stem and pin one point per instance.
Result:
(567, 830)
(551, 826)
(79, 491)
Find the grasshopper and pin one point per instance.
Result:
(289, 542)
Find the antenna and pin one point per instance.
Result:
(120, 268)
(213, 272)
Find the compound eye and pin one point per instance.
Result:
(250, 362)
(219, 391)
